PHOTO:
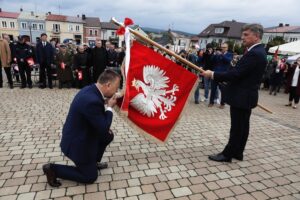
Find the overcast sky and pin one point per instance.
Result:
(185, 15)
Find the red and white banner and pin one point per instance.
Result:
(156, 91)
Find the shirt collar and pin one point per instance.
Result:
(100, 92)
(249, 49)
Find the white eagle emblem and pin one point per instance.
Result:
(154, 95)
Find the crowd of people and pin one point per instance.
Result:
(277, 74)
(71, 65)
(78, 66)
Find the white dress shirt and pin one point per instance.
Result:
(295, 77)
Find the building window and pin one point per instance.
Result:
(41, 26)
(4, 25)
(91, 32)
(219, 30)
(24, 25)
(96, 32)
(34, 26)
(56, 27)
(293, 39)
(112, 33)
(77, 28)
(12, 24)
(71, 27)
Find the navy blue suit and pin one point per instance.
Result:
(45, 57)
(241, 93)
(85, 136)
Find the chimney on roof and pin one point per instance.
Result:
(0, 9)
(21, 9)
(280, 24)
(49, 13)
(32, 13)
(233, 20)
(78, 16)
(287, 24)
(83, 17)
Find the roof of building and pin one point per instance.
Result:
(165, 39)
(63, 18)
(282, 29)
(59, 18)
(5, 14)
(92, 22)
(74, 19)
(232, 29)
(108, 25)
(32, 16)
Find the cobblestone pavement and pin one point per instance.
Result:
(139, 169)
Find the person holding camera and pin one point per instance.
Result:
(221, 61)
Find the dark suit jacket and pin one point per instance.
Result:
(87, 123)
(48, 56)
(243, 81)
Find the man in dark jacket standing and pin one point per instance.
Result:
(45, 57)
(241, 92)
(221, 61)
(86, 132)
(23, 54)
(99, 59)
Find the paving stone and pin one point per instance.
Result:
(183, 191)
(141, 169)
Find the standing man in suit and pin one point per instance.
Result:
(241, 92)
(45, 57)
(86, 132)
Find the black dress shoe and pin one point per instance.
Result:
(51, 177)
(239, 157)
(100, 166)
(220, 158)
(42, 86)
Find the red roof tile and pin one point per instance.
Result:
(9, 14)
(60, 18)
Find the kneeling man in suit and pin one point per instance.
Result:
(86, 132)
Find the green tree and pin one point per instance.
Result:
(275, 41)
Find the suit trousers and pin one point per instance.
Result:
(83, 173)
(213, 92)
(8, 75)
(44, 68)
(24, 68)
(293, 95)
(239, 131)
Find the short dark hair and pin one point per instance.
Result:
(107, 76)
(255, 28)
(43, 34)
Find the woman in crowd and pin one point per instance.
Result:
(293, 83)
